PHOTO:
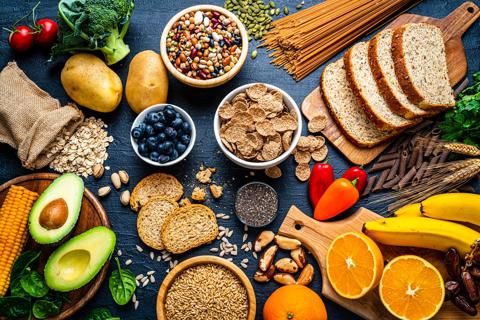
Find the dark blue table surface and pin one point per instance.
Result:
(148, 21)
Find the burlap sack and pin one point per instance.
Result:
(30, 118)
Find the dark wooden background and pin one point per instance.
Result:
(148, 21)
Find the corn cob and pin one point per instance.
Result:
(13, 230)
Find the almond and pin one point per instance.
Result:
(284, 278)
(263, 240)
(286, 265)
(306, 276)
(299, 256)
(261, 276)
(267, 258)
(124, 177)
(287, 243)
(116, 180)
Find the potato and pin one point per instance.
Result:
(147, 81)
(90, 83)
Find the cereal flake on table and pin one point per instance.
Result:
(204, 44)
(199, 194)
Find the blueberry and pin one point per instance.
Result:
(149, 130)
(142, 126)
(158, 127)
(161, 148)
(163, 158)
(180, 147)
(177, 123)
(152, 143)
(186, 127)
(152, 117)
(169, 107)
(142, 149)
(161, 137)
(168, 147)
(185, 139)
(169, 115)
(154, 156)
(174, 155)
(137, 133)
(170, 132)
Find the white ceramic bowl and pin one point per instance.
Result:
(289, 102)
(158, 107)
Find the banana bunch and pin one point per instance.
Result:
(429, 224)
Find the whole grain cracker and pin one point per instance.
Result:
(320, 154)
(256, 91)
(302, 156)
(273, 172)
(302, 172)
(317, 124)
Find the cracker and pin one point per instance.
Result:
(227, 111)
(273, 172)
(271, 150)
(320, 154)
(302, 172)
(265, 128)
(256, 91)
(317, 123)
(287, 140)
(302, 156)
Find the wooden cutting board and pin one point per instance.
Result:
(92, 214)
(453, 26)
(316, 236)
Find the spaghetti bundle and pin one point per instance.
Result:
(303, 41)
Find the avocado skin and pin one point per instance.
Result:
(69, 187)
(97, 243)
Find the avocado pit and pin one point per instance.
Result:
(54, 215)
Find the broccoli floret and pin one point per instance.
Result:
(100, 24)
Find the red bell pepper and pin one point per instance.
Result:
(359, 174)
(320, 179)
(340, 196)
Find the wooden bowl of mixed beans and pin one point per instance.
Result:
(204, 46)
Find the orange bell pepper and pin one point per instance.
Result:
(340, 196)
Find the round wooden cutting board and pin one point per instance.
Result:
(92, 214)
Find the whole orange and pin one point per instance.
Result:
(294, 302)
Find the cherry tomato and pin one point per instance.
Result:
(21, 39)
(46, 32)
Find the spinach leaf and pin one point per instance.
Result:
(43, 309)
(101, 314)
(25, 262)
(122, 285)
(16, 289)
(34, 284)
(15, 307)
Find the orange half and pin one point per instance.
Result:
(411, 288)
(354, 265)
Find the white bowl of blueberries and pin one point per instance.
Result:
(163, 135)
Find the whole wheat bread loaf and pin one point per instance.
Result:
(349, 116)
(383, 68)
(365, 89)
(421, 66)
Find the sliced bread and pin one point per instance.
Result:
(421, 66)
(349, 116)
(151, 218)
(383, 68)
(157, 184)
(189, 227)
(365, 89)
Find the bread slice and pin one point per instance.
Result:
(421, 66)
(383, 68)
(365, 89)
(157, 184)
(349, 116)
(151, 218)
(189, 227)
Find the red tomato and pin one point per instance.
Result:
(21, 39)
(46, 32)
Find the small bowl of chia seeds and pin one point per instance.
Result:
(256, 204)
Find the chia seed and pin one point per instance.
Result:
(256, 204)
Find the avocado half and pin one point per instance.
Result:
(78, 261)
(66, 193)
